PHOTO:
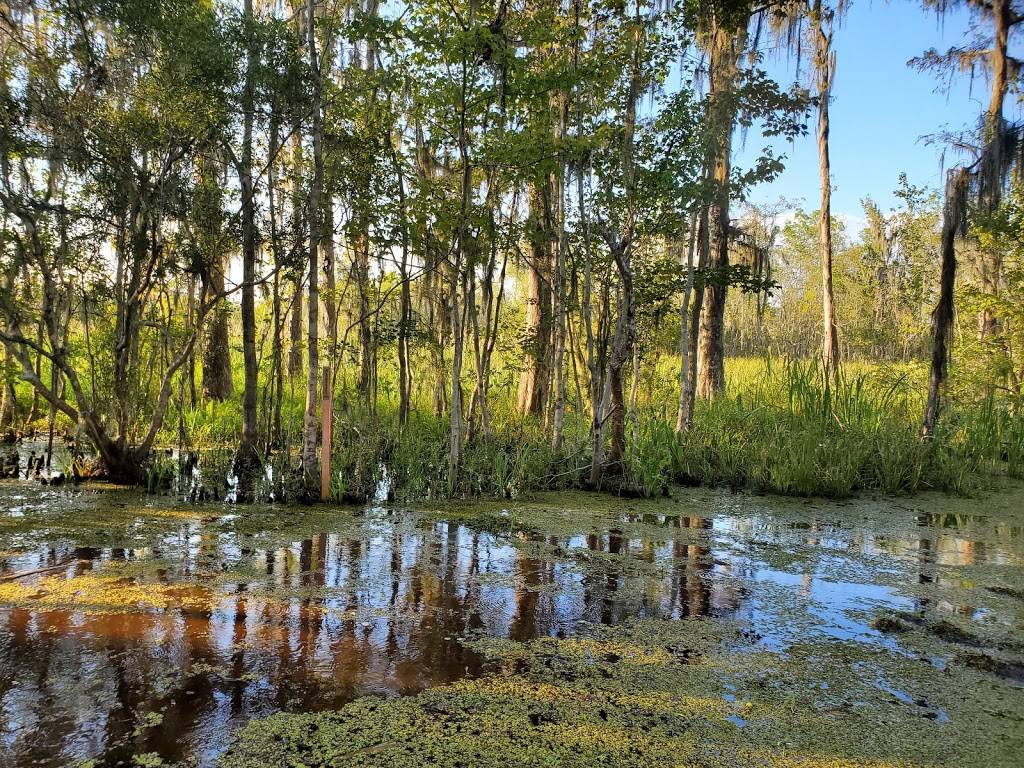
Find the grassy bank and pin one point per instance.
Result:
(779, 428)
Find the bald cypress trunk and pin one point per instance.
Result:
(533, 381)
(217, 378)
(991, 259)
(216, 353)
(711, 341)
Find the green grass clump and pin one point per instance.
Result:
(793, 431)
(413, 459)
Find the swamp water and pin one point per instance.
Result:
(706, 629)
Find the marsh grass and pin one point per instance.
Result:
(788, 429)
(780, 427)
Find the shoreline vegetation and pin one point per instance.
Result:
(778, 428)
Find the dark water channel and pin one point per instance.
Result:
(131, 625)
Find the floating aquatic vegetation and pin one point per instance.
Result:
(211, 615)
(110, 589)
(606, 699)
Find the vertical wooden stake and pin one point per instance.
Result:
(325, 431)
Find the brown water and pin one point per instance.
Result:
(131, 625)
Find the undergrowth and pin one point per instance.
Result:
(778, 428)
(782, 429)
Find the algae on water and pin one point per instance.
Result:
(708, 628)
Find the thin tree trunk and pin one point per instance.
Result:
(311, 418)
(825, 64)
(559, 314)
(634, 390)
(621, 352)
(594, 361)
(685, 383)
(277, 351)
(696, 313)
(405, 305)
(361, 275)
(247, 459)
(295, 345)
(329, 297)
(457, 276)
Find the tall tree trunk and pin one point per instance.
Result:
(533, 380)
(433, 296)
(825, 63)
(367, 317)
(558, 309)
(247, 461)
(460, 275)
(277, 344)
(594, 359)
(726, 46)
(217, 379)
(405, 303)
(310, 419)
(621, 247)
(991, 259)
(295, 341)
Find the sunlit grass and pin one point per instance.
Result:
(780, 426)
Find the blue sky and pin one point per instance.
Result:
(880, 109)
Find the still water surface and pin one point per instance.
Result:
(191, 620)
